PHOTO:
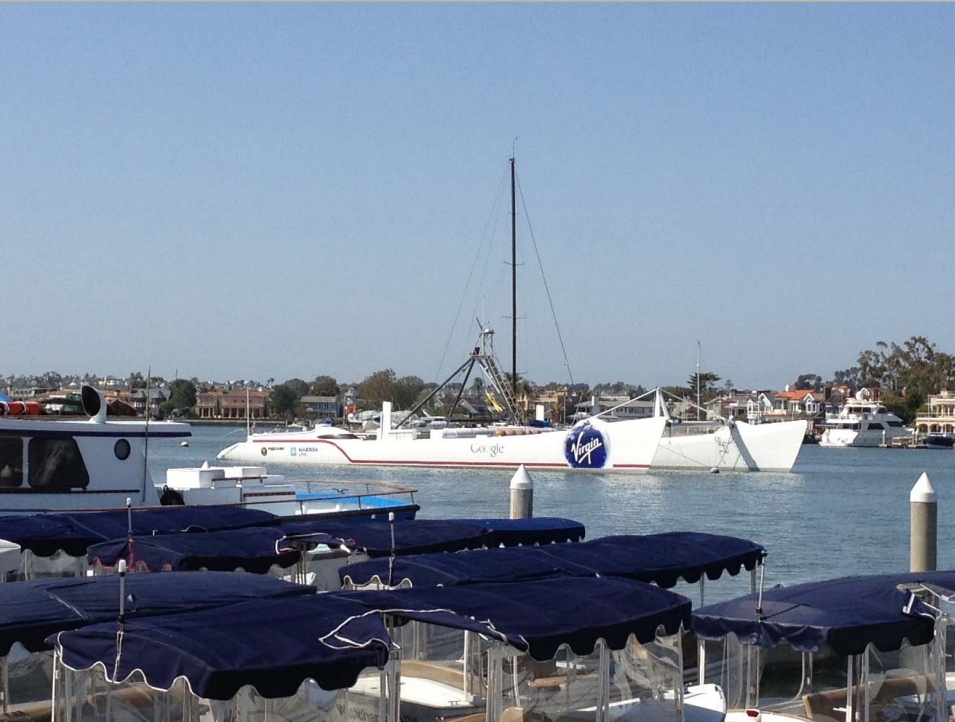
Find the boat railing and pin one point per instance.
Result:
(946, 414)
(357, 493)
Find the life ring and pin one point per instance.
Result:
(171, 497)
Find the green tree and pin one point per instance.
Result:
(183, 395)
(298, 386)
(407, 391)
(808, 382)
(850, 377)
(378, 387)
(907, 373)
(166, 408)
(284, 401)
(323, 386)
(707, 385)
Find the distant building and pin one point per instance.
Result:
(940, 417)
(237, 404)
(753, 405)
(140, 400)
(615, 407)
(798, 403)
(322, 407)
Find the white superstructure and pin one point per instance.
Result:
(862, 422)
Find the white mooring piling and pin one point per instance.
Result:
(924, 532)
(522, 494)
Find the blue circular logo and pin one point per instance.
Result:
(585, 448)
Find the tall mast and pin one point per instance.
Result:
(697, 380)
(513, 284)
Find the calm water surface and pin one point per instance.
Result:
(841, 511)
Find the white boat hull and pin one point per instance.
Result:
(737, 447)
(624, 446)
(843, 438)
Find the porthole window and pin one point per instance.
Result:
(121, 449)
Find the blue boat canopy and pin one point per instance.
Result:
(73, 533)
(540, 616)
(848, 613)
(272, 645)
(256, 550)
(413, 536)
(527, 532)
(421, 536)
(659, 558)
(32, 611)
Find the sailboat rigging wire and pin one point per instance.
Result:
(146, 435)
(540, 265)
(483, 247)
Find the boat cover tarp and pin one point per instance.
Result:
(46, 534)
(273, 645)
(659, 558)
(256, 550)
(422, 536)
(539, 616)
(32, 611)
(525, 532)
(412, 536)
(848, 613)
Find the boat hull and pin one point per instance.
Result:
(624, 446)
(939, 441)
(844, 438)
(737, 447)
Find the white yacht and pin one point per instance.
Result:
(49, 463)
(862, 422)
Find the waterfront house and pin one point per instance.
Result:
(939, 418)
(322, 407)
(798, 403)
(222, 405)
(623, 407)
(141, 399)
(753, 405)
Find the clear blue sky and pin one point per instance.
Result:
(288, 190)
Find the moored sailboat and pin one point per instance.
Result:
(590, 445)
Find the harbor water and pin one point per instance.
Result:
(840, 512)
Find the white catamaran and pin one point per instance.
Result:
(592, 445)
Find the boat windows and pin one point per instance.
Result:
(11, 462)
(894, 424)
(121, 449)
(875, 426)
(56, 464)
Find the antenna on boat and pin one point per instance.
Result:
(146, 435)
(248, 422)
(129, 530)
(391, 557)
(121, 566)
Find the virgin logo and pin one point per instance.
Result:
(585, 448)
(582, 452)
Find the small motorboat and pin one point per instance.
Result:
(939, 441)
